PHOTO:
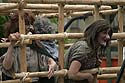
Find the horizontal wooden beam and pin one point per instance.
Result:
(27, 80)
(107, 76)
(78, 13)
(66, 7)
(97, 2)
(53, 6)
(8, 7)
(106, 73)
(28, 38)
(66, 35)
(52, 36)
(111, 71)
(6, 44)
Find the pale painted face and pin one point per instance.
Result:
(29, 28)
(103, 37)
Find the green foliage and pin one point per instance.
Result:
(54, 20)
(3, 19)
(67, 41)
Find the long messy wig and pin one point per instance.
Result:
(94, 29)
(12, 25)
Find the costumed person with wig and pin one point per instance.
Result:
(87, 53)
(42, 25)
(36, 61)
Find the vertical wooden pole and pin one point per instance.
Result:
(120, 41)
(61, 41)
(96, 13)
(120, 30)
(23, 66)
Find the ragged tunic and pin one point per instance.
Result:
(88, 58)
(35, 62)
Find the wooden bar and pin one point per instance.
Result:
(107, 76)
(118, 35)
(60, 73)
(22, 56)
(6, 44)
(58, 36)
(79, 13)
(106, 70)
(27, 80)
(61, 41)
(30, 10)
(66, 7)
(96, 12)
(120, 30)
(120, 41)
(61, 30)
(8, 7)
(107, 12)
(65, 35)
(50, 8)
(92, 2)
(63, 72)
(55, 6)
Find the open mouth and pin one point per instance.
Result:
(103, 42)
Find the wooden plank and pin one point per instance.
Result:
(22, 57)
(61, 41)
(120, 41)
(97, 2)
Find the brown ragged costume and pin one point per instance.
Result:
(87, 51)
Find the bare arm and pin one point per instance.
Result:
(9, 59)
(75, 74)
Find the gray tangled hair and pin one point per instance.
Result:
(42, 25)
(94, 29)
